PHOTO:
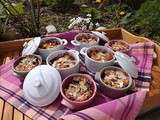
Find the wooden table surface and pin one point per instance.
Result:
(8, 112)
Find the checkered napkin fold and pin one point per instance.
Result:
(143, 54)
(103, 108)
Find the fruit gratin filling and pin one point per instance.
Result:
(115, 78)
(27, 63)
(49, 44)
(79, 89)
(118, 46)
(100, 55)
(65, 61)
(87, 39)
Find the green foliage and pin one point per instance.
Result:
(16, 8)
(10, 12)
(125, 19)
(1, 30)
(11, 9)
(50, 2)
(145, 21)
(147, 17)
(7, 10)
(3, 13)
(134, 4)
(114, 13)
(95, 13)
(60, 3)
(117, 7)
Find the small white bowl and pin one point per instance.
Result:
(111, 91)
(77, 105)
(45, 52)
(78, 45)
(124, 43)
(66, 71)
(24, 73)
(93, 65)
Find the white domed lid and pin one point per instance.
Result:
(31, 46)
(127, 63)
(42, 85)
(101, 35)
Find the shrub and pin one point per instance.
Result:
(134, 4)
(8, 10)
(114, 13)
(147, 17)
(66, 4)
(145, 21)
(95, 13)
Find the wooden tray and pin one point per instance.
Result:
(10, 49)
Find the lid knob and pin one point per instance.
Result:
(37, 83)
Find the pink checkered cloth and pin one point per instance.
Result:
(103, 107)
(143, 54)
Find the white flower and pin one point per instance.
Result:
(73, 19)
(90, 26)
(97, 24)
(84, 27)
(71, 26)
(89, 15)
(87, 20)
(76, 27)
(81, 23)
(79, 20)
(73, 23)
